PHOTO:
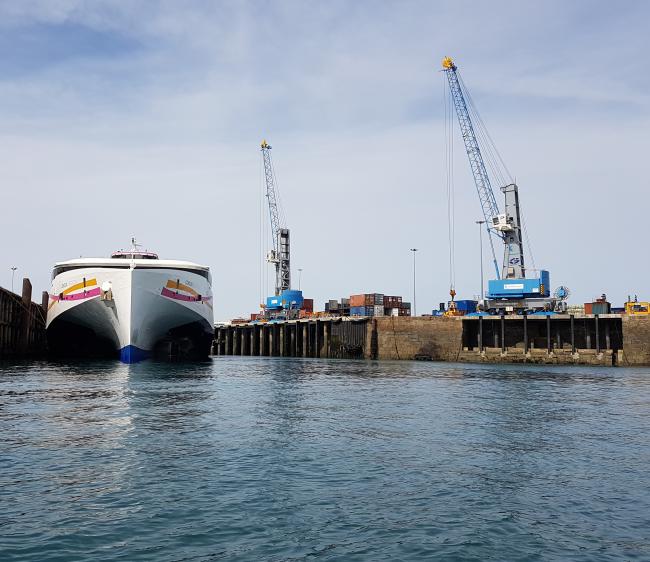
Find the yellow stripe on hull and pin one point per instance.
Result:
(175, 286)
(81, 285)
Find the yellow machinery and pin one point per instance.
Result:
(452, 309)
(637, 308)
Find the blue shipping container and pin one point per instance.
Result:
(466, 305)
(362, 311)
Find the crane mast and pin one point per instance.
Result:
(507, 225)
(280, 254)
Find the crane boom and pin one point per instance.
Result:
(506, 226)
(481, 179)
(280, 254)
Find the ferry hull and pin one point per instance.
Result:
(133, 312)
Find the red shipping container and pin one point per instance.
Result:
(357, 300)
(308, 305)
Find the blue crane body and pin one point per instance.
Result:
(512, 291)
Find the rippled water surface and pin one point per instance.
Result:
(289, 459)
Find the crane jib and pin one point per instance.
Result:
(507, 225)
(280, 255)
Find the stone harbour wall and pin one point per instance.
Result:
(426, 338)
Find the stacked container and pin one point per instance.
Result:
(362, 310)
(392, 305)
(367, 299)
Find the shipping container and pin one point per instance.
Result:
(255, 316)
(367, 299)
(392, 302)
(308, 305)
(588, 308)
(378, 310)
(466, 306)
(406, 305)
(362, 310)
(345, 302)
(391, 311)
(405, 311)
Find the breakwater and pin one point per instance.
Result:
(557, 339)
(22, 323)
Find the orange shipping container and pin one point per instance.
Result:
(357, 300)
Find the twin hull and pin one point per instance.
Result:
(130, 309)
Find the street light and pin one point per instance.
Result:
(299, 277)
(414, 308)
(13, 271)
(480, 238)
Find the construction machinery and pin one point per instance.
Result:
(285, 303)
(512, 291)
(636, 307)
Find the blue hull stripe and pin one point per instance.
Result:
(133, 354)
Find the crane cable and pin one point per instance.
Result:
(263, 271)
(495, 161)
(449, 181)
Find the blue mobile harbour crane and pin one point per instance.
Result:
(512, 292)
(286, 303)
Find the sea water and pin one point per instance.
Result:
(303, 459)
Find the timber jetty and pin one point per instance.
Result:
(22, 323)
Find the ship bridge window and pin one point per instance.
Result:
(63, 268)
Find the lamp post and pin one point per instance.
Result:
(480, 238)
(414, 308)
(13, 271)
(299, 277)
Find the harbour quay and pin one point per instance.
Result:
(607, 340)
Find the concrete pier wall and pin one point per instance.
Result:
(560, 339)
(426, 338)
(636, 340)
(22, 323)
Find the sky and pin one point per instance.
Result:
(144, 118)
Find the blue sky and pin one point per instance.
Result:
(144, 118)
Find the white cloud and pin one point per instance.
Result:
(162, 141)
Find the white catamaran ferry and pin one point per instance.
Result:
(132, 304)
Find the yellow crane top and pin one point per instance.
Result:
(447, 63)
(265, 144)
